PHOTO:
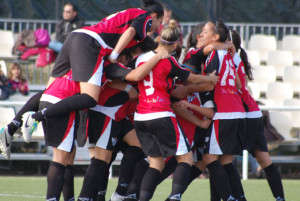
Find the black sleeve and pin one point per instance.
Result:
(116, 71)
(212, 63)
(177, 70)
(142, 24)
(198, 58)
(59, 32)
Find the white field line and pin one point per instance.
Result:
(19, 195)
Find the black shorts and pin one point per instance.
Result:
(255, 135)
(81, 54)
(60, 132)
(225, 137)
(105, 132)
(198, 144)
(162, 137)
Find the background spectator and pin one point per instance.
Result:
(16, 82)
(69, 23)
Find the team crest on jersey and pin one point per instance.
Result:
(114, 141)
(190, 98)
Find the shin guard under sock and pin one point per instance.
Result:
(149, 184)
(180, 180)
(274, 181)
(220, 179)
(131, 157)
(235, 182)
(68, 188)
(95, 173)
(55, 180)
(133, 190)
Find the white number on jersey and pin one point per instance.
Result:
(229, 73)
(149, 83)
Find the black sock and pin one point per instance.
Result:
(220, 179)
(55, 180)
(68, 188)
(195, 172)
(169, 169)
(274, 181)
(13, 127)
(140, 169)
(235, 181)
(149, 184)
(102, 187)
(131, 157)
(94, 175)
(180, 180)
(214, 195)
(31, 105)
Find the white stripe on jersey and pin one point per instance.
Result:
(254, 114)
(67, 143)
(182, 146)
(144, 58)
(151, 116)
(229, 115)
(96, 78)
(50, 98)
(108, 111)
(104, 138)
(95, 36)
(214, 147)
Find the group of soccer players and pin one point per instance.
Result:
(209, 116)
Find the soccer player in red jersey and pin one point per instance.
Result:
(155, 122)
(256, 142)
(226, 132)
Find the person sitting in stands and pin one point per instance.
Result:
(69, 23)
(16, 82)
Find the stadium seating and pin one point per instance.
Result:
(291, 43)
(254, 90)
(295, 114)
(253, 57)
(291, 74)
(279, 91)
(7, 114)
(3, 67)
(279, 59)
(263, 75)
(263, 44)
(282, 121)
(6, 44)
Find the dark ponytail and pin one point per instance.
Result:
(192, 38)
(222, 30)
(152, 6)
(236, 40)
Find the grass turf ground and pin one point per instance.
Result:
(34, 188)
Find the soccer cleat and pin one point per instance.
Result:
(116, 197)
(5, 142)
(131, 197)
(29, 126)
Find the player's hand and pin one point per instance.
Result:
(214, 78)
(180, 91)
(133, 94)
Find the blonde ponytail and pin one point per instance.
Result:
(170, 34)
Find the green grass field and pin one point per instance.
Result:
(34, 188)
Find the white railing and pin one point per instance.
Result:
(245, 29)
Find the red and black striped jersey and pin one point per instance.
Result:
(189, 128)
(225, 94)
(156, 87)
(250, 104)
(61, 88)
(112, 27)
